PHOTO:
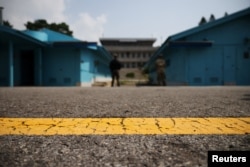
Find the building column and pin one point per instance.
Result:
(40, 70)
(86, 68)
(11, 65)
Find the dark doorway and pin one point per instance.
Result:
(27, 68)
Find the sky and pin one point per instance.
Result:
(94, 19)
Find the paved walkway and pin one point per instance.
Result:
(127, 126)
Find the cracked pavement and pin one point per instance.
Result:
(120, 103)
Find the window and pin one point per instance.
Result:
(127, 65)
(139, 64)
(150, 55)
(124, 65)
(133, 55)
(133, 65)
(128, 55)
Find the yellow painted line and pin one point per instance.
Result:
(130, 126)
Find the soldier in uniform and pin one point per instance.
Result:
(114, 67)
(160, 69)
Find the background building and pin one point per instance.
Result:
(49, 58)
(214, 53)
(132, 52)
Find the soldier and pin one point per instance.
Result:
(114, 67)
(160, 68)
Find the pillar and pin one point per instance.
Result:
(11, 65)
(40, 70)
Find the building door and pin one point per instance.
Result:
(214, 66)
(205, 67)
(229, 66)
(27, 68)
(196, 69)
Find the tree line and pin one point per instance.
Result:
(42, 23)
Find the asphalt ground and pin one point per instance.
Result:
(123, 102)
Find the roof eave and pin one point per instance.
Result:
(210, 24)
(21, 35)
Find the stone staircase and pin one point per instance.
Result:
(100, 84)
(125, 81)
(137, 72)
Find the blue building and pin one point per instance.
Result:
(214, 53)
(48, 58)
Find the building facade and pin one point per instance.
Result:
(133, 53)
(49, 58)
(214, 53)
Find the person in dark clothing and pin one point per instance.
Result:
(114, 67)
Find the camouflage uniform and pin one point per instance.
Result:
(160, 69)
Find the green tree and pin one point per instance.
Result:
(203, 21)
(41, 23)
(7, 23)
